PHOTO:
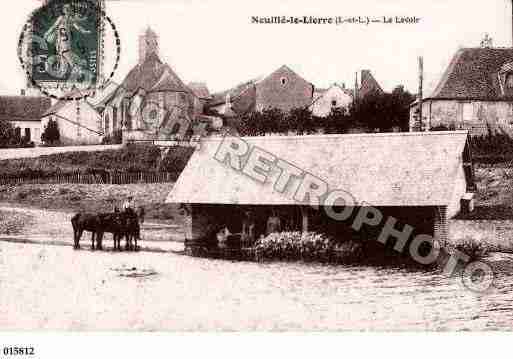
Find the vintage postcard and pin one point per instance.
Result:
(271, 166)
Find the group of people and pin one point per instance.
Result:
(249, 231)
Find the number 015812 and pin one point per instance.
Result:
(18, 351)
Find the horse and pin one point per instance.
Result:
(111, 223)
(131, 228)
(85, 222)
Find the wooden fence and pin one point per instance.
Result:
(91, 178)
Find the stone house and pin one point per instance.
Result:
(78, 121)
(24, 113)
(475, 93)
(283, 89)
(336, 96)
(421, 178)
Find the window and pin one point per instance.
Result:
(27, 133)
(333, 103)
(468, 111)
(283, 81)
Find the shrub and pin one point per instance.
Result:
(50, 135)
(114, 138)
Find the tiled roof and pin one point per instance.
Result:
(75, 93)
(200, 89)
(153, 75)
(235, 92)
(388, 169)
(369, 85)
(474, 74)
(23, 108)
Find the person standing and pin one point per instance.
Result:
(248, 228)
(129, 204)
(273, 223)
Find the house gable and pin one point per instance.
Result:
(283, 89)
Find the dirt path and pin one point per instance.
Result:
(54, 228)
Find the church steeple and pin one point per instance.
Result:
(148, 44)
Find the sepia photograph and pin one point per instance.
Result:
(201, 166)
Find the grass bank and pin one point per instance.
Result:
(94, 198)
(134, 158)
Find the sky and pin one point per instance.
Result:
(214, 41)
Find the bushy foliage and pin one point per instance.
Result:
(258, 123)
(175, 160)
(306, 246)
(495, 145)
(114, 138)
(384, 111)
(51, 135)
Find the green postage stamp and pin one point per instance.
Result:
(66, 45)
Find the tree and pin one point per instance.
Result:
(51, 133)
(300, 119)
(7, 134)
(337, 121)
(384, 111)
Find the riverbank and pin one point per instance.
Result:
(94, 198)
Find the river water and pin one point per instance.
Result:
(54, 287)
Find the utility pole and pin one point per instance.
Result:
(420, 96)
(355, 99)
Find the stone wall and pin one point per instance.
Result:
(468, 115)
(498, 234)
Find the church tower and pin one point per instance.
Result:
(148, 44)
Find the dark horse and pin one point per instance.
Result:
(97, 224)
(85, 222)
(112, 223)
(120, 224)
(131, 228)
